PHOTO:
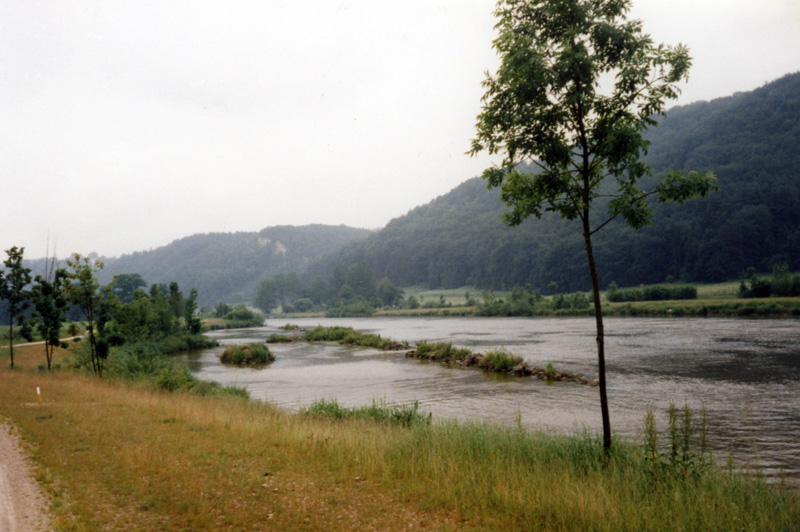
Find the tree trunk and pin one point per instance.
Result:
(601, 354)
(11, 339)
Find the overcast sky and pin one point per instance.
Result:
(125, 125)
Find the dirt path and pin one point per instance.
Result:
(23, 507)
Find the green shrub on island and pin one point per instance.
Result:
(329, 334)
(280, 339)
(349, 336)
(247, 355)
(441, 352)
(499, 361)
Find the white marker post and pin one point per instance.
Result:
(39, 394)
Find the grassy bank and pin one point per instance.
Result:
(119, 457)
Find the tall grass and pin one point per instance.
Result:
(405, 415)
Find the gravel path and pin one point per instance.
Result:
(23, 507)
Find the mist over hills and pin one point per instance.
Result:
(750, 140)
(229, 266)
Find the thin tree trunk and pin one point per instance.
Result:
(601, 354)
(11, 339)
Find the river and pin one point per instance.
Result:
(745, 372)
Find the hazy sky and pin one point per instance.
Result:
(125, 125)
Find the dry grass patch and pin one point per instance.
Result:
(120, 458)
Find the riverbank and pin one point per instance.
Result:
(116, 456)
(773, 307)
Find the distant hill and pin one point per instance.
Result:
(229, 266)
(750, 140)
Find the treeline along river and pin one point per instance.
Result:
(745, 372)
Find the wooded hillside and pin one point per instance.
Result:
(229, 266)
(750, 140)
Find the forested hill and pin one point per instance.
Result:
(229, 266)
(750, 140)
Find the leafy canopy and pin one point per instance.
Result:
(577, 86)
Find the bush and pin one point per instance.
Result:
(247, 355)
(652, 293)
(499, 361)
(442, 352)
(330, 334)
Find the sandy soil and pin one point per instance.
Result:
(23, 507)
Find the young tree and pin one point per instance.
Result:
(49, 295)
(577, 85)
(176, 303)
(85, 293)
(193, 323)
(13, 290)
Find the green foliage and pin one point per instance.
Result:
(247, 355)
(348, 336)
(351, 310)
(389, 294)
(782, 284)
(686, 453)
(238, 317)
(279, 339)
(544, 106)
(576, 301)
(145, 363)
(403, 415)
(125, 284)
(329, 334)
(500, 361)
(49, 296)
(442, 352)
(524, 301)
(651, 293)
(221, 309)
(13, 284)
(193, 324)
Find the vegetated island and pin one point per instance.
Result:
(496, 361)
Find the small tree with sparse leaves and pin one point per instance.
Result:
(577, 86)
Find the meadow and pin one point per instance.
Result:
(128, 456)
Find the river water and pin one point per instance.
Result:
(745, 372)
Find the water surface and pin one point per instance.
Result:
(745, 372)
